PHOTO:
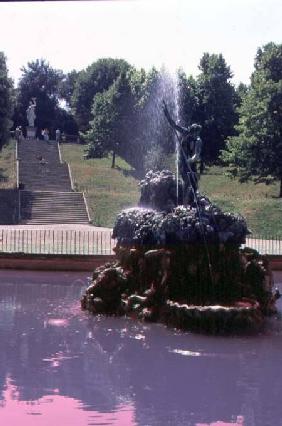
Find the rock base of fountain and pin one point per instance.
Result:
(183, 266)
(172, 285)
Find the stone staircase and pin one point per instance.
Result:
(46, 194)
(50, 207)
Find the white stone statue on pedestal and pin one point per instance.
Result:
(30, 113)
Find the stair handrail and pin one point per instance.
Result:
(17, 166)
(17, 150)
(19, 205)
(60, 154)
(18, 173)
(87, 207)
(70, 176)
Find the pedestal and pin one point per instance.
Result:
(31, 132)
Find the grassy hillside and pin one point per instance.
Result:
(110, 190)
(8, 174)
(259, 203)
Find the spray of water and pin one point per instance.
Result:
(166, 89)
(176, 112)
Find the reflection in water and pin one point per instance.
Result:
(239, 422)
(57, 410)
(57, 362)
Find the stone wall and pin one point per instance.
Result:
(9, 203)
(50, 262)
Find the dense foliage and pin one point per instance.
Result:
(6, 103)
(216, 104)
(97, 78)
(257, 150)
(133, 123)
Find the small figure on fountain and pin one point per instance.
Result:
(190, 148)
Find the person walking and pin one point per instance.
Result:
(45, 134)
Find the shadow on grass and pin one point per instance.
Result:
(136, 174)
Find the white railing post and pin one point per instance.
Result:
(86, 205)
(70, 176)
(60, 154)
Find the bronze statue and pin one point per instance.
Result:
(190, 147)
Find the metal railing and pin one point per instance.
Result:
(56, 241)
(66, 241)
(271, 245)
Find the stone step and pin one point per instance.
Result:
(37, 211)
(43, 207)
(55, 222)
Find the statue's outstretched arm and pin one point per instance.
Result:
(172, 123)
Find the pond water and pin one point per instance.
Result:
(63, 367)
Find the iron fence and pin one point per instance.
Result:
(271, 245)
(81, 242)
(56, 242)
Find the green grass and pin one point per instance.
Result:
(258, 203)
(8, 173)
(107, 190)
(110, 190)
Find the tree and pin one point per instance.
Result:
(6, 87)
(110, 127)
(187, 98)
(41, 81)
(216, 110)
(257, 150)
(97, 78)
(67, 87)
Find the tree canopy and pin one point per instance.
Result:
(209, 100)
(257, 150)
(216, 104)
(6, 101)
(97, 78)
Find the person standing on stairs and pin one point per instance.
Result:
(45, 134)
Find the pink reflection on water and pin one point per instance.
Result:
(57, 359)
(239, 422)
(57, 410)
(56, 322)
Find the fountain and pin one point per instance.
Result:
(179, 257)
(182, 265)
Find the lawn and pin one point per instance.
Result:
(8, 172)
(110, 190)
(258, 203)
